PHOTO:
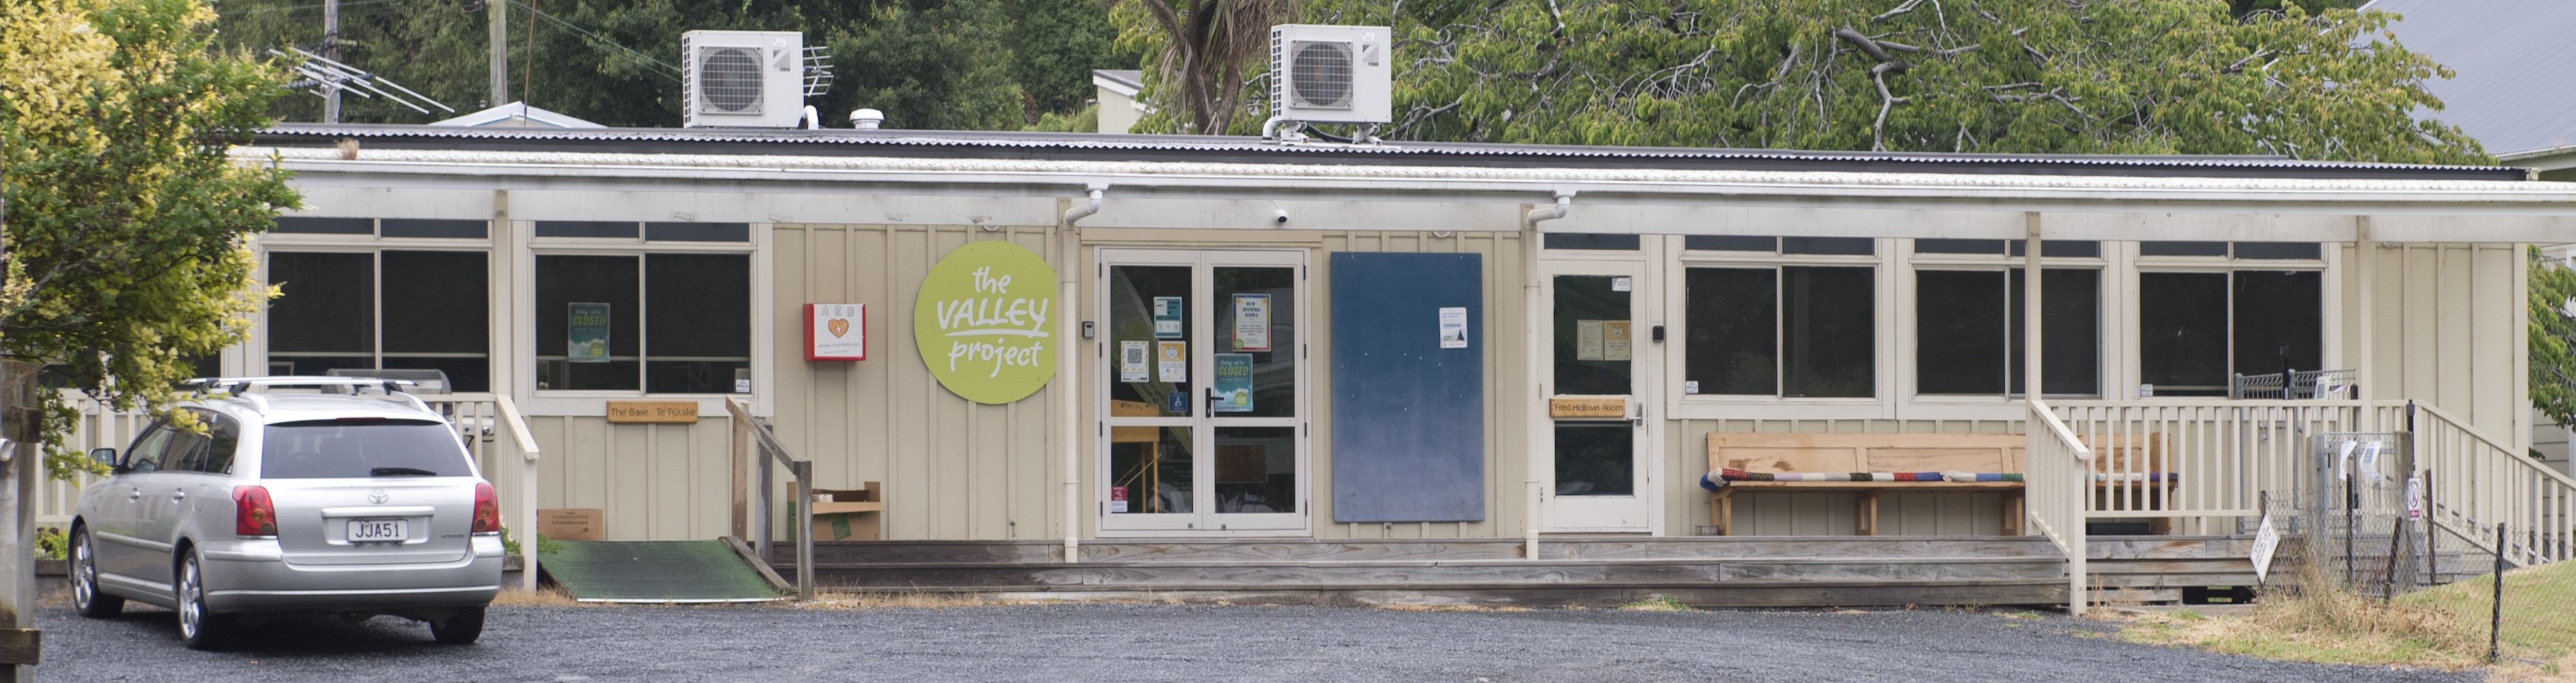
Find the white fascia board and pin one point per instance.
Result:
(1605, 200)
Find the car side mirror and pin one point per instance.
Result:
(105, 456)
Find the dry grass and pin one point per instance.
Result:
(1655, 603)
(1452, 608)
(543, 596)
(905, 600)
(2443, 628)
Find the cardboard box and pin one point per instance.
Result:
(849, 515)
(572, 524)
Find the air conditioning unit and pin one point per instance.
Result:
(1330, 74)
(742, 79)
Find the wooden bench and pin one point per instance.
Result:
(1850, 453)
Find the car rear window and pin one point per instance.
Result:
(319, 449)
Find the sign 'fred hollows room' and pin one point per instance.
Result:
(982, 322)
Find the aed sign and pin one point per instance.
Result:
(985, 322)
(836, 332)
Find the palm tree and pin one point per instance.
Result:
(1207, 46)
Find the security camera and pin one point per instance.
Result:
(1280, 218)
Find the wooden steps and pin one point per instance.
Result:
(1593, 571)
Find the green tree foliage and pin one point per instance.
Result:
(2069, 76)
(1206, 52)
(2553, 339)
(127, 224)
(968, 64)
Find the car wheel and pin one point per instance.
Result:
(197, 628)
(461, 628)
(85, 594)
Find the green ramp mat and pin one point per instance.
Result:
(654, 571)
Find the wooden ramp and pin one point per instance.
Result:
(1574, 571)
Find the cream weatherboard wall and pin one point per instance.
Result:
(952, 468)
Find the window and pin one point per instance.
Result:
(1818, 246)
(359, 448)
(2269, 251)
(2195, 330)
(677, 323)
(388, 309)
(1969, 331)
(1790, 331)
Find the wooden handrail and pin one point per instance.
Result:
(772, 453)
(2057, 427)
(2472, 430)
(2056, 491)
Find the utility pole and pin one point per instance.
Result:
(331, 51)
(500, 11)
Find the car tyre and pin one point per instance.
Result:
(197, 628)
(461, 628)
(84, 579)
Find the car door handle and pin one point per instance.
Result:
(134, 494)
(178, 496)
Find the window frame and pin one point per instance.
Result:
(594, 402)
(250, 357)
(1679, 405)
(2328, 265)
(2108, 303)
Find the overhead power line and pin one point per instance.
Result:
(603, 42)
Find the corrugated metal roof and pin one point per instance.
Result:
(2511, 58)
(1086, 146)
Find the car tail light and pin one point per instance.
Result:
(253, 514)
(487, 509)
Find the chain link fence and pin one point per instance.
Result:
(2359, 522)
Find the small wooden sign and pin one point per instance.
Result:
(1595, 407)
(653, 412)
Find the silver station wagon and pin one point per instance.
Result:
(325, 494)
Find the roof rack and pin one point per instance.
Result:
(243, 385)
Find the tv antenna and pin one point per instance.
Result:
(325, 77)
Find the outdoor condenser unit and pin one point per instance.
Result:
(742, 79)
(1330, 74)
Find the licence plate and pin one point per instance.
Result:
(377, 530)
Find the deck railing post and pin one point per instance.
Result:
(804, 528)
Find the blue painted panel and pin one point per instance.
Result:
(1408, 416)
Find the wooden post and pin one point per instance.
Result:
(499, 10)
(331, 51)
(18, 515)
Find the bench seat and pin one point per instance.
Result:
(1842, 455)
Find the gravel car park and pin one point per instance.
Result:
(1125, 642)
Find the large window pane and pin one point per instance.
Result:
(697, 322)
(1142, 388)
(1270, 294)
(1256, 469)
(2070, 332)
(2182, 333)
(1596, 459)
(1587, 308)
(1960, 332)
(1732, 330)
(435, 315)
(2280, 321)
(325, 314)
(1828, 338)
(1150, 470)
(566, 280)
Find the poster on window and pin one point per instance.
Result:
(1251, 322)
(1233, 383)
(1167, 317)
(1172, 361)
(587, 339)
(1587, 339)
(1135, 361)
(1614, 340)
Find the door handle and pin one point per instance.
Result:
(134, 494)
(176, 496)
(1210, 410)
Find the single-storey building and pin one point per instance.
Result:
(1072, 337)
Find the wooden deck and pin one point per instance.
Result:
(1572, 571)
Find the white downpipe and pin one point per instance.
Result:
(1531, 302)
(1069, 410)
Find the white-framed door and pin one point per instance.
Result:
(1596, 443)
(1203, 392)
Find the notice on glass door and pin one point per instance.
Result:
(1172, 361)
(1453, 327)
(1251, 322)
(1167, 317)
(1587, 339)
(1135, 361)
(1233, 383)
(1614, 340)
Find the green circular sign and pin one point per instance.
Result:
(985, 322)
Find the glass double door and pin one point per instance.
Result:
(1203, 399)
